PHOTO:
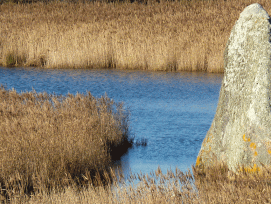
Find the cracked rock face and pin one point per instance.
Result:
(240, 134)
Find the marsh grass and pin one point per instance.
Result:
(49, 142)
(170, 35)
(219, 184)
(207, 185)
(57, 149)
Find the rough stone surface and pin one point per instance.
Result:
(240, 134)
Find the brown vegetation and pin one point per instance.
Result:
(48, 142)
(55, 149)
(170, 35)
(209, 185)
(219, 185)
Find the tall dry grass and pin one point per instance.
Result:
(170, 35)
(220, 185)
(48, 142)
(209, 185)
(57, 149)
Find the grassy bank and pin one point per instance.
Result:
(49, 142)
(214, 185)
(176, 36)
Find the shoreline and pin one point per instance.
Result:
(165, 36)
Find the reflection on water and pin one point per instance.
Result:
(173, 111)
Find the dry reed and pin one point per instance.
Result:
(57, 149)
(209, 185)
(52, 141)
(170, 35)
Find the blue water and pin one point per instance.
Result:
(173, 111)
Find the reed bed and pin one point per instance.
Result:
(220, 185)
(209, 185)
(49, 142)
(184, 35)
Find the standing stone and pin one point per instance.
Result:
(240, 135)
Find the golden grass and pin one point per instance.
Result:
(209, 185)
(57, 149)
(170, 35)
(48, 142)
(172, 187)
(220, 185)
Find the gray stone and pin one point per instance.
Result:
(240, 135)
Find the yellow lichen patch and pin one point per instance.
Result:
(253, 145)
(198, 162)
(246, 139)
(253, 169)
(268, 146)
(205, 152)
(208, 139)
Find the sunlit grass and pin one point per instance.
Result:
(205, 185)
(170, 35)
(57, 149)
(49, 142)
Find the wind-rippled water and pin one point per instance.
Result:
(173, 111)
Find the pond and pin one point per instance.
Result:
(172, 110)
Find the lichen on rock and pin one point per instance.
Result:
(241, 129)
